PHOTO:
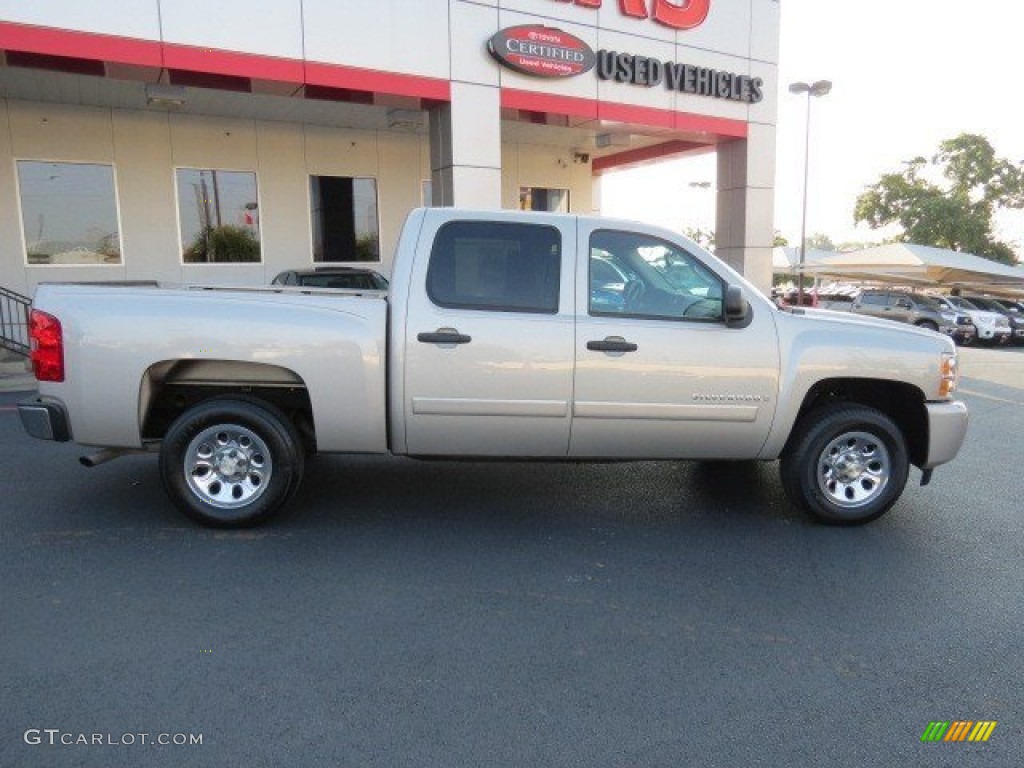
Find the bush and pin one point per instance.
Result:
(225, 244)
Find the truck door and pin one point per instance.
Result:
(489, 336)
(658, 372)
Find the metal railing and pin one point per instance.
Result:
(14, 321)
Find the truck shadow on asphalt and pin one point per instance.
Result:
(345, 488)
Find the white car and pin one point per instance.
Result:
(991, 326)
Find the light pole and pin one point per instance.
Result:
(818, 88)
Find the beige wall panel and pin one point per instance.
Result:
(284, 198)
(510, 176)
(149, 230)
(58, 132)
(12, 259)
(398, 188)
(213, 142)
(340, 152)
(531, 165)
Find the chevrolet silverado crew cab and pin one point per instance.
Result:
(503, 335)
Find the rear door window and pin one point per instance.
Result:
(496, 266)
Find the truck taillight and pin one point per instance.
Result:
(47, 346)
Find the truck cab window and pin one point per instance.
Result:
(641, 276)
(495, 266)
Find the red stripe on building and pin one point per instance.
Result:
(82, 45)
(152, 53)
(642, 155)
(220, 62)
(354, 78)
(531, 101)
(592, 109)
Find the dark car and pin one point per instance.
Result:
(915, 309)
(357, 278)
(1013, 315)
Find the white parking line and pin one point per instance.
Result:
(972, 393)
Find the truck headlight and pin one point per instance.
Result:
(949, 372)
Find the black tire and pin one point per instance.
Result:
(231, 462)
(927, 324)
(846, 464)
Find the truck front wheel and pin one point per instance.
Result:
(230, 462)
(847, 464)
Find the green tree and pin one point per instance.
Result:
(705, 238)
(820, 242)
(948, 201)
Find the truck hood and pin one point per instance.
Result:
(847, 319)
(982, 316)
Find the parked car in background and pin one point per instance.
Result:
(992, 326)
(1012, 305)
(358, 278)
(1015, 317)
(915, 309)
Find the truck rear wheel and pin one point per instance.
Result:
(231, 462)
(847, 464)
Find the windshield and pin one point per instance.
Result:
(358, 280)
(956, 301)
(932, 303)
(987, 304)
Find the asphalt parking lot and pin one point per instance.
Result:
(488, 614)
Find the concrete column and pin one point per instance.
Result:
(465, 148)
(745, 218)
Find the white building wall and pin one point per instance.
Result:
(444, 40)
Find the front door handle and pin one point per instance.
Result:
(612, 344)
(444, 336)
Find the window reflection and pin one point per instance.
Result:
(219, 216)
(69, 213)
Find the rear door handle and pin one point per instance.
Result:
(444, 336)
(612, 344)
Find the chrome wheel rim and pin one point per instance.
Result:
(854, 469)
(228, 466)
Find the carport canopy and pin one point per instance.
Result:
(908, 264)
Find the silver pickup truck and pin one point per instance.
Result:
(504, 334)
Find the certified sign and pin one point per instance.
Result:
(541, 51)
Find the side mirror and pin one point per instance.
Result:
(737, 310)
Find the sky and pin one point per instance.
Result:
(906, 75)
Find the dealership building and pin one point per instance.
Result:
(223, 142)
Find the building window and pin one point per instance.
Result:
(495, 266)
(219, 216)
(344, 219)
(69, 213)
(542, 199)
